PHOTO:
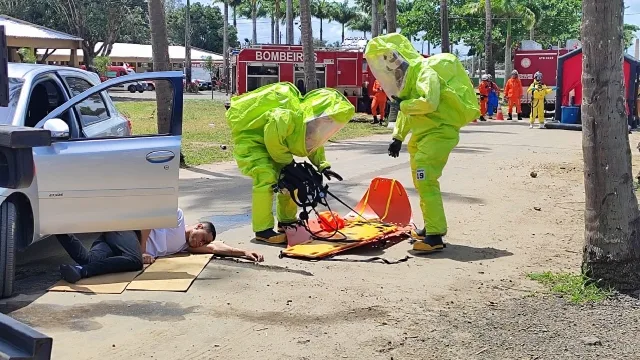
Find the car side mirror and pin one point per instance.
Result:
(58, 128)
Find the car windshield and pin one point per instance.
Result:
(6, 113)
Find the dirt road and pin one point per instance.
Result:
(472, 301)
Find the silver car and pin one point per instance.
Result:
(96, 176)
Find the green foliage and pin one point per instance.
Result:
(362, 22)
(343, 13)
(209, 65)
(27, 55)
(101, 63)
(578, 289)
(206, 27)
(629, 34)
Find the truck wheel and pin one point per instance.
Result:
(526, 110)
(132, 89)
(8, 238)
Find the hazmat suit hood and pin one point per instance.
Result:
(390, 58)
(326, 111)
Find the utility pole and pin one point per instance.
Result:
(187, 44)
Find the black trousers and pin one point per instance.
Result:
(112, 252)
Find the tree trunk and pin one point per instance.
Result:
(342, 33)
(612, 219)
(307, 45)
(392, 15)
(187, 44)
(235, 18)
(277, 16)
(374, 19)
(444, 26)
(507, 51)
(532, 33)
(225, 47)
(290, 22)
(89, 53)
(273, 33)
(160, 50)
(490, 66)
(254, 21)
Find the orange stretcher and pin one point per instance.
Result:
(382, 217)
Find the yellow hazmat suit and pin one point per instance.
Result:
(271, 125)
(538, 91)
(436, 98)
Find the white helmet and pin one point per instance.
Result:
(484, 77)
(514, 72)
(538, 76)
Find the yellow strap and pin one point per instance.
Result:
(386, 210)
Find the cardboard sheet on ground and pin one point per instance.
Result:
(103, 284)
(172, 273)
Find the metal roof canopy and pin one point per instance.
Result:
(125, 52)
(25, 34)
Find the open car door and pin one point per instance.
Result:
(109, 180)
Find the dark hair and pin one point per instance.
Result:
(208, 227)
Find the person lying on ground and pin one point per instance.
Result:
(122, 251)
(197, 239)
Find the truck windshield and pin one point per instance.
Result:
(6, 113)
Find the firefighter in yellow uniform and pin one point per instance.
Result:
(538, 91)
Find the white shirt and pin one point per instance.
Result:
(163, 242)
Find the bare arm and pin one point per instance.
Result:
(144, 235)
(220, 248)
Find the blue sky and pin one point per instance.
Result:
(332, 30)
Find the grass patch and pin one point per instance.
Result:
(205, 130)
(578, 289)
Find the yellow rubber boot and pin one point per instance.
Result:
(426, 243)
(271, 237)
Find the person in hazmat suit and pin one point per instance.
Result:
(484, 88)
(436, 99)
(538, 91)
(513, 94)
(271, 125)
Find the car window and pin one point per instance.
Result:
(6, 113)
(92, 110)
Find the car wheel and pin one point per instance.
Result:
(132, 89)
(140, 88)
(151, 87)
(8, 239)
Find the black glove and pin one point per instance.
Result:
(396, 99)
(328, 173)
(394, 148)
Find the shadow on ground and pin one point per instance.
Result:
(464, 253)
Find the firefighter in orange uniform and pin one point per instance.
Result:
(379, 103)
(483, 89)
(513, 94)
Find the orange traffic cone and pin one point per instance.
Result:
(499, 115)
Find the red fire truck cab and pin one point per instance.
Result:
(260, 65)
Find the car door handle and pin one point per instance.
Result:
(162, 156)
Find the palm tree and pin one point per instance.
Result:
(289, 22)
(322, 9)
(160, 53)
(392, 15)
(375, 31)
(307, 45)
(344, 14)
(225, 46)
(253, 10)
(490, 66)
(444, 26)
(612, 218)
(234, 5)
(362, 22)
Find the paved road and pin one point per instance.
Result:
(291, 309)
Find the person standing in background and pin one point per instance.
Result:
(513, 94)
(379, 104)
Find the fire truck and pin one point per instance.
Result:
(531, 58)
(259, 65)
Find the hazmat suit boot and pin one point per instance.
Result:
(375, 120)
(482, 118)
(510, 117)
(519, 116)
(271, 237)
(427, 243)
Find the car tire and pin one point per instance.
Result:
(150, 87)
(8, 239)
(132, 89)
(140, 88)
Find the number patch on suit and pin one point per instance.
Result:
(420, 174)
